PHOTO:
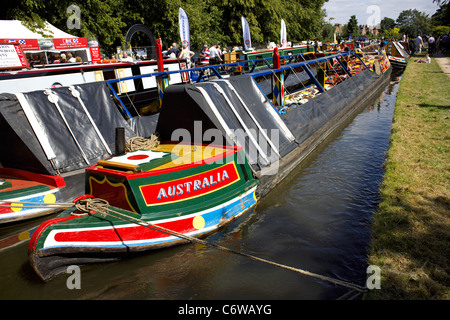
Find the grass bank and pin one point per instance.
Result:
(411, 230)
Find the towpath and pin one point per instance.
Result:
(443, 62)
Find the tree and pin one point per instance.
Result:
(413, 22)
(442, 15)
(210, 21)
(387, 24)
(352, 27)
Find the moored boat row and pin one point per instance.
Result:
(181, 186)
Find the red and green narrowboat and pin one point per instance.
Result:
(26, 195)
(189, 189)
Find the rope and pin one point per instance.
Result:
(97, 205)
(137, 143)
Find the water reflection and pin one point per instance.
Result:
(318, 220)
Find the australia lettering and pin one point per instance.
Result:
(193, 185)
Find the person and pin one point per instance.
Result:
(214, 57)
(173, 49)
(427, 59)
(431, 44)
(186, 54)
(56, 58)
(70, 58)
(35, 60)
(419, 43)
(316, 46)
(78, 59)
(126, 58)
(220, 52)
(204, 55)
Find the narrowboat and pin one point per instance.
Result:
(153, 196)
(26, 195)
(397, 54)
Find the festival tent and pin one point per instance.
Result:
(49, 39)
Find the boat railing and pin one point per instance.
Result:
(261, 68)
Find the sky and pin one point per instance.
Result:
(371, 12)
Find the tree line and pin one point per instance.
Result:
(410, 22)
(210, 21)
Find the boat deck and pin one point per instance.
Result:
(163, 158)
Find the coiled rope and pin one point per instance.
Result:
(137, 143)
(92, 205)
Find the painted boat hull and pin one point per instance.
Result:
(398, 62)
(20, 188)
(95, 237)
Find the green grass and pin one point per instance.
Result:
(411, 230)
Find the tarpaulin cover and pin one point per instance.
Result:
(236, 107)
(401, 50)
(22, 149)
(306, 119)
(144, 126)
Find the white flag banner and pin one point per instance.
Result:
(246, 34)
(184, 28)
(283, 40)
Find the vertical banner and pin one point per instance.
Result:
(246, 34)
(184, 29)
(95, 54)
(283, 40)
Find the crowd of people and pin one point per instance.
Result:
(66, 58)
(435, 43)
(207, 56)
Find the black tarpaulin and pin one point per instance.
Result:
(71, 143)
(306, 119)
(237, 108)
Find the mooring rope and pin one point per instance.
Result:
(92, 205)
(137, 143)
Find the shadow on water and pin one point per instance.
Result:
(319, 219)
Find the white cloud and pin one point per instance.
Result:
(342, 10)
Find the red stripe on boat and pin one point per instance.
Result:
(133, 233)
(37, 233)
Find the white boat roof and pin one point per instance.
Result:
(14, 29)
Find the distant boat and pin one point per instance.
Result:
(397, 54)
(26, 195)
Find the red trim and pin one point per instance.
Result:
(37, 233)
(53, 181)
(128, 233)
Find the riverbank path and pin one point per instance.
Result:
(443, 62)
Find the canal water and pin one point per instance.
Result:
(319, 219)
